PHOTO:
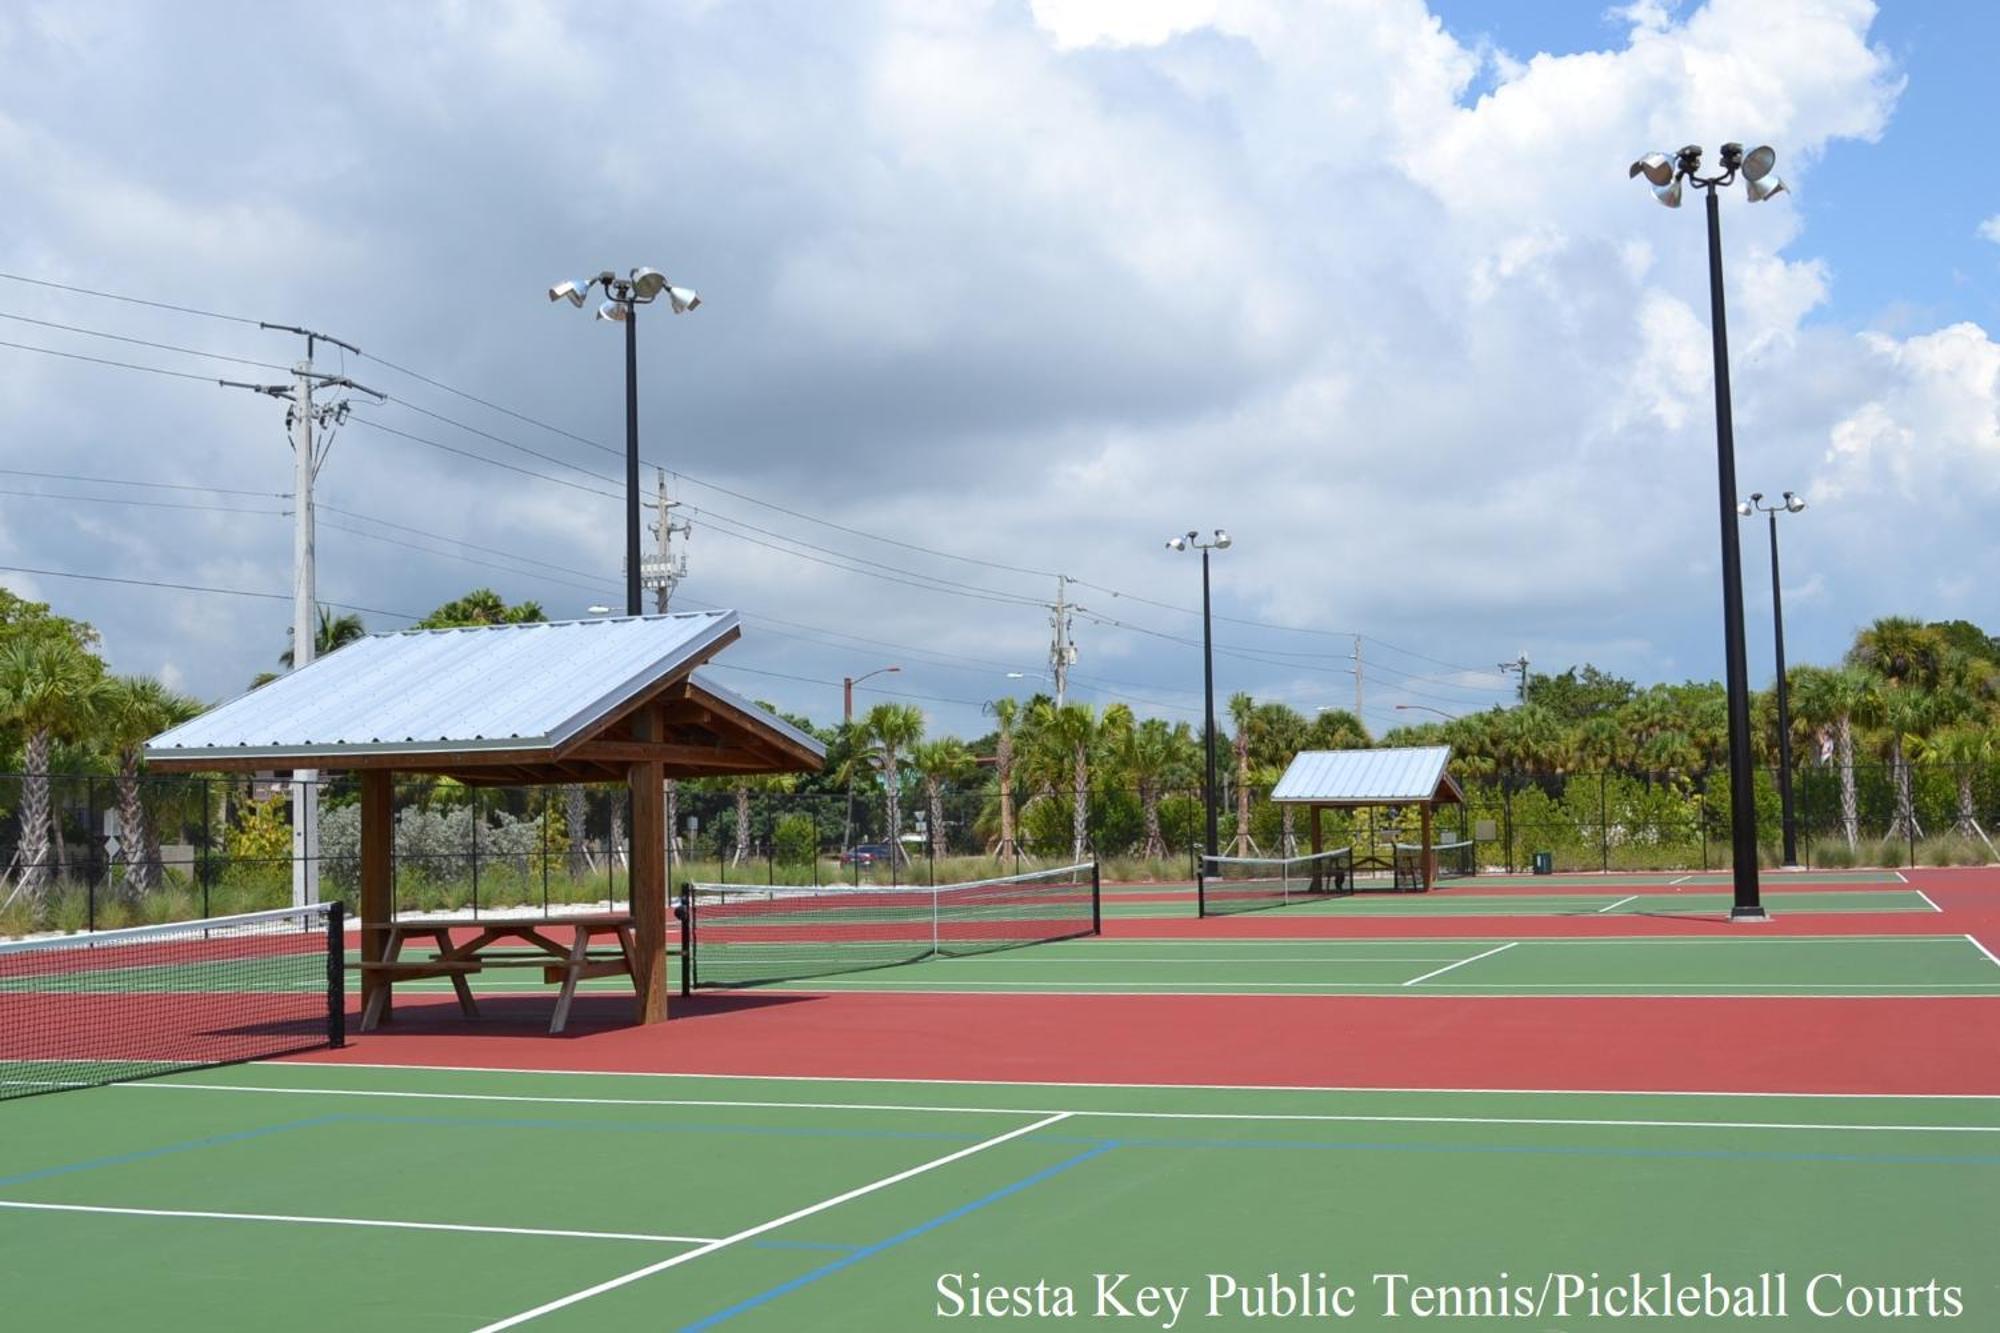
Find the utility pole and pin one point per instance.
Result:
(1519, 667)
(1062, 650)
(1357, 678)
(664, 570)
(300, 418)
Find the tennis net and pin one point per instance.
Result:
(80, 1011)
(736, 936)
(1231, 884)
(1455, 860)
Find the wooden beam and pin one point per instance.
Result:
(721, 758)
(649, 889)
(378, 871)
(1429, 857)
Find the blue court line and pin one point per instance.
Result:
(640, 1127)
(869, 1251)
(1547, 1150)
(121, 1159)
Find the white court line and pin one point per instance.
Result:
(748, 1232)
(1620, 903)
(1461, 963)
(1901, 876)
(1684, 879)
(1107, 1113)
(1927, 898)
(272, 1065)
(1983, 949)
(352, 1222)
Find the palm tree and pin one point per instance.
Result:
(1907, 655)
(50, 687)
(332, 633)
(1005, 713)
(135, 709)
(1062, 741)
(1153, 757)
(890, 730)
(940, 763)
(1241, 707)
(1835, 699)
(1967, 746)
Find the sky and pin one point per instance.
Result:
(996, 298)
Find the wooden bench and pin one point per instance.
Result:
(562, 964)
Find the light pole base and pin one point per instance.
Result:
(1750, 915)
(1792, 866)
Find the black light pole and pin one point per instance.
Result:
(1791, 504)
(626, 295)
(1666, 176)
(1192, 542)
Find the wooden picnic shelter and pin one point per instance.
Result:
(1418, 775)
(586, 701)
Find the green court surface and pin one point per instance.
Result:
(1865, 965)
(309, 1197)
(1653, 902)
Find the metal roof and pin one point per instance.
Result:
(1367, 777)
(497, 687)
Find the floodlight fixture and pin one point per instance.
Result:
(624, 296)
(1794, 504)
(1222, 541)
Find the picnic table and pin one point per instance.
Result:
(497, 943)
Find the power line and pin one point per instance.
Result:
(129, 300)
(144, 342)
(196, 587)
(154, 485)
(143, 504)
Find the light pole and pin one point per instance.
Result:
(1790, 504)
(1192, 542)
(847, 684)
(1426, 708)
(626, 295)
(1666, 176)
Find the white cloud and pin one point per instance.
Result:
(1990, 229)
(1038, 287)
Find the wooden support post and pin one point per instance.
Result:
(649, 889)
(378, 875)
(1317, 840)
(1429, 856)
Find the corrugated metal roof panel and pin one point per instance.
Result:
(1393, 775)
(486, 687)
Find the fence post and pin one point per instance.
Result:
(207, 837)
(1507, 818)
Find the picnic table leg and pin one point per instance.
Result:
(378, 996)
(466, 1005)
(578, 954)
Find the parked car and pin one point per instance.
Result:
(867, 854)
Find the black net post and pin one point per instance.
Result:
(686, 915)
(336, 974)
(1200, 887)
(1096, 899)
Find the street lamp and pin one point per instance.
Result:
(1426, 708)
(1192, 542)
(626, 295)
(1666, 175)
(1789, 504)
(847, 684)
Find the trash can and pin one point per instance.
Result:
(1545, 863)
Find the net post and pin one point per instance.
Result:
(336, 975)
(1096, 899)
(1200, 887)
(687, 937)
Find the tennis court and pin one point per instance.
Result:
(313, 1196)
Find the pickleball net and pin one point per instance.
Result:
(732, 935)
(1231, 884)
(1453, 860)
(80, 1011)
